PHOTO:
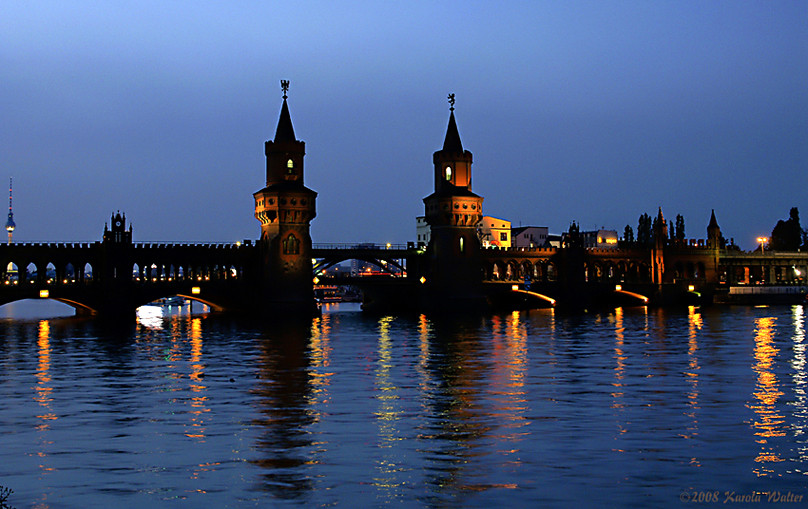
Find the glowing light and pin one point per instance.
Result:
(422, 280)
(196, 290)
(44, 294)
(388, 245)
(316, 280)
(514, 287)
(691, 288)
(617, 288)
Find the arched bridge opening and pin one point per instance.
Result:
(366, 260)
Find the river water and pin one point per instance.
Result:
(620, 408)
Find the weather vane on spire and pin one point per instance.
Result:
(451, 102)
(284, 87)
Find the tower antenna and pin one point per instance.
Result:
(10, 223)
(284, 87)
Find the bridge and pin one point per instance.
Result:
(116, 274)
(277, 272)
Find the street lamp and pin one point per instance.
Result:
(761, 241)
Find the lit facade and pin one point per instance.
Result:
(529, 237)
(422, 231)
(494, 232)
(602, 239)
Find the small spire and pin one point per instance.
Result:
(713, 222)
(452, 141)
(285, 131)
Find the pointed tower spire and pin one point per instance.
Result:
(452, 142)
(714, 239)
(10, 225)
(713, 222)
(285, 131)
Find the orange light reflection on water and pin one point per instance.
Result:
(388, 412)
(44, 391)
(769, 423)
(320, 349)
(695, 324)
(198, 408)
(507, 384)
(799, 378)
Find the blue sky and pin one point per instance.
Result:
(589, 111)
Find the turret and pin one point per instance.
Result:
(453, 212)
(285, 208)
(713, 233)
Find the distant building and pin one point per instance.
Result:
(422, 231)
(494, 232)
(361, 266)
(554, 240)
(529, 237)
(605, 239)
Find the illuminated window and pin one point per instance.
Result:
(503, 236)
(448, 172)
(290, 166)
(462, 245)
(291, 245)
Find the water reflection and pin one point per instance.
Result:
(695, 323)
(509, 359)
(197, 387)
(769, 420)
(424, 410)
(798, 364)
(618, 393)
(456, 373)
(320, 352)
(620, 361)
(43, 393)
(388, 411)
(283, 392)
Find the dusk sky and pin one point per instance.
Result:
(589, 111)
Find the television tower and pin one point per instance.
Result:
(10, 223)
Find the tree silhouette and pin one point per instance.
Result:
(680, 227)
(644, 233)
(787, 235)
(628, 234)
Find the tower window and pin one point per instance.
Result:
(291, 245)
(290, 166)
(448, 173)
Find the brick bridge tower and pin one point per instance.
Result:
(285, 208)
(454, 272)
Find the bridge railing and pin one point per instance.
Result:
(364, 245)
